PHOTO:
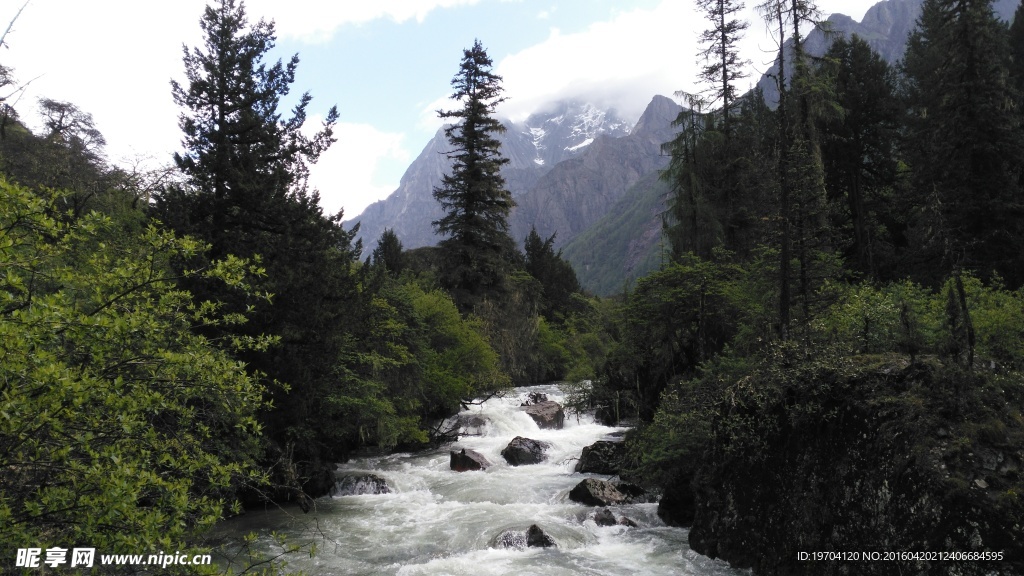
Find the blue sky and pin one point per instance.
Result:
(387, 65)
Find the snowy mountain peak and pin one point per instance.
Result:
(566, 128)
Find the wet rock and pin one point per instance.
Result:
(602, 457)
(320, 481)
(522, 451)
(634, 494)
(533, 537)
(604, 517)
(356, 484)
(627, 523)
(510, 539)
(606, 415)
(547, 414)
(472, 425)
(535, 398)
(536, 538)
(467, 460)
(593, 492)
(677, 505)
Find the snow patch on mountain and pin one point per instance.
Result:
(585, 143)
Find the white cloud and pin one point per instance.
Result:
(316, 21)
(622, 62)
(347, 174)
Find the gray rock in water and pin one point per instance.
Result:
(536, 538)
(472, 425)
(522, 451)
(593, 492)
(547, 414)
(604, 517)
(623, 521)
(601, 457)
(468, 460)
(510, 539)
(634, 494)
(356, 484)
(533, 537)
(535, 398)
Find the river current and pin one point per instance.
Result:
(436, 521)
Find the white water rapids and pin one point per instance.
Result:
(437, 521)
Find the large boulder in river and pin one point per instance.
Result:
(547, 414)
(593, 492)
(602, 457)
(524, 451)
(468, 460)
(356, 484)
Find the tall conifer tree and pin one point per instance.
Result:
(474, 197)
(246, 195)
(965, 146)
(723, 67)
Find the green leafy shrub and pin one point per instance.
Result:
(120, 426)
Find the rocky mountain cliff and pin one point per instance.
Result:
(533, 147)
(579, 191)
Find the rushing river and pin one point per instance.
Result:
(436, 521)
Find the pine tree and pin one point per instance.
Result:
(556, 276)
(692, 222)
(965, 143)
(1016, 40)
(703, 171)
(724, 66)
(388, 253)
(474, 197)
(241, 158)
(859, 150)
(246, 195)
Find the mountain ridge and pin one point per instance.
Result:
(533, 147)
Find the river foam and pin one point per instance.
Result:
(436, 521)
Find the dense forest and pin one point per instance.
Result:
(829, 358)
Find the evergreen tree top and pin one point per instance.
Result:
(475, 83)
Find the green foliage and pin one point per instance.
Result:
(675, 320)
(672, 444)
(557, 278)
(511, 325)
(415, 361)
(388, 253)
(120, 426)
(908, 318)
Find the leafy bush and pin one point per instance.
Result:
(120, 426)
